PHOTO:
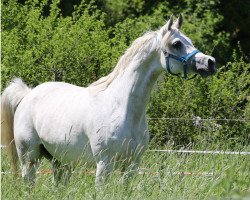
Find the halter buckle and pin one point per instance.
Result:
(184, 62)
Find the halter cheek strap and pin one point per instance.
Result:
(183, 60)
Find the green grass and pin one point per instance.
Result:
(228, 178)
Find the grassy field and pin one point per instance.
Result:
(166, 176)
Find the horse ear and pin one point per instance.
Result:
(170, 23)
(178, 22)
(167, 27)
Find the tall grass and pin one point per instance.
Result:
(162, 176)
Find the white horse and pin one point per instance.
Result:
(104, 123)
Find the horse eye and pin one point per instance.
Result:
(177, 44)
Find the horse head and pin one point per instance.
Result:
(178, 54)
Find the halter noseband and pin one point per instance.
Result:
(183, 60)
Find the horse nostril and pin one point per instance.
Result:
(211, 63)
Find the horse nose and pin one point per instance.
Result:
(211, 65)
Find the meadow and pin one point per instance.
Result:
(161, 176)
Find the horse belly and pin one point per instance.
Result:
(70, 152)
(65, 140)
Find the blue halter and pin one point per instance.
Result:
(183, 60)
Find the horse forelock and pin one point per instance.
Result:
(171, 34)
(139, 49)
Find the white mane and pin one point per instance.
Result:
(139, 49)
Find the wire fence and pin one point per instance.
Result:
(197, 121)
(231, 133)
(198, 118)
(201, 152)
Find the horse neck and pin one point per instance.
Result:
(132, 88)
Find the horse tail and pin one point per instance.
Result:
(11, 97)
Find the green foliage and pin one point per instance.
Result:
(40, 43)
(73, 49)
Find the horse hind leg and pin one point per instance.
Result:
(29, 171)
(61, 172)
(29, 157)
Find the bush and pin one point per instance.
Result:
(41, 44)
(73, 49)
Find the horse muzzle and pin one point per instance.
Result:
(205, 65)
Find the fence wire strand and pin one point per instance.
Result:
(197, 118)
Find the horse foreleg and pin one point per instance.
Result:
(103, 169)
(130, 171)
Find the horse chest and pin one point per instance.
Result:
(118, 136)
